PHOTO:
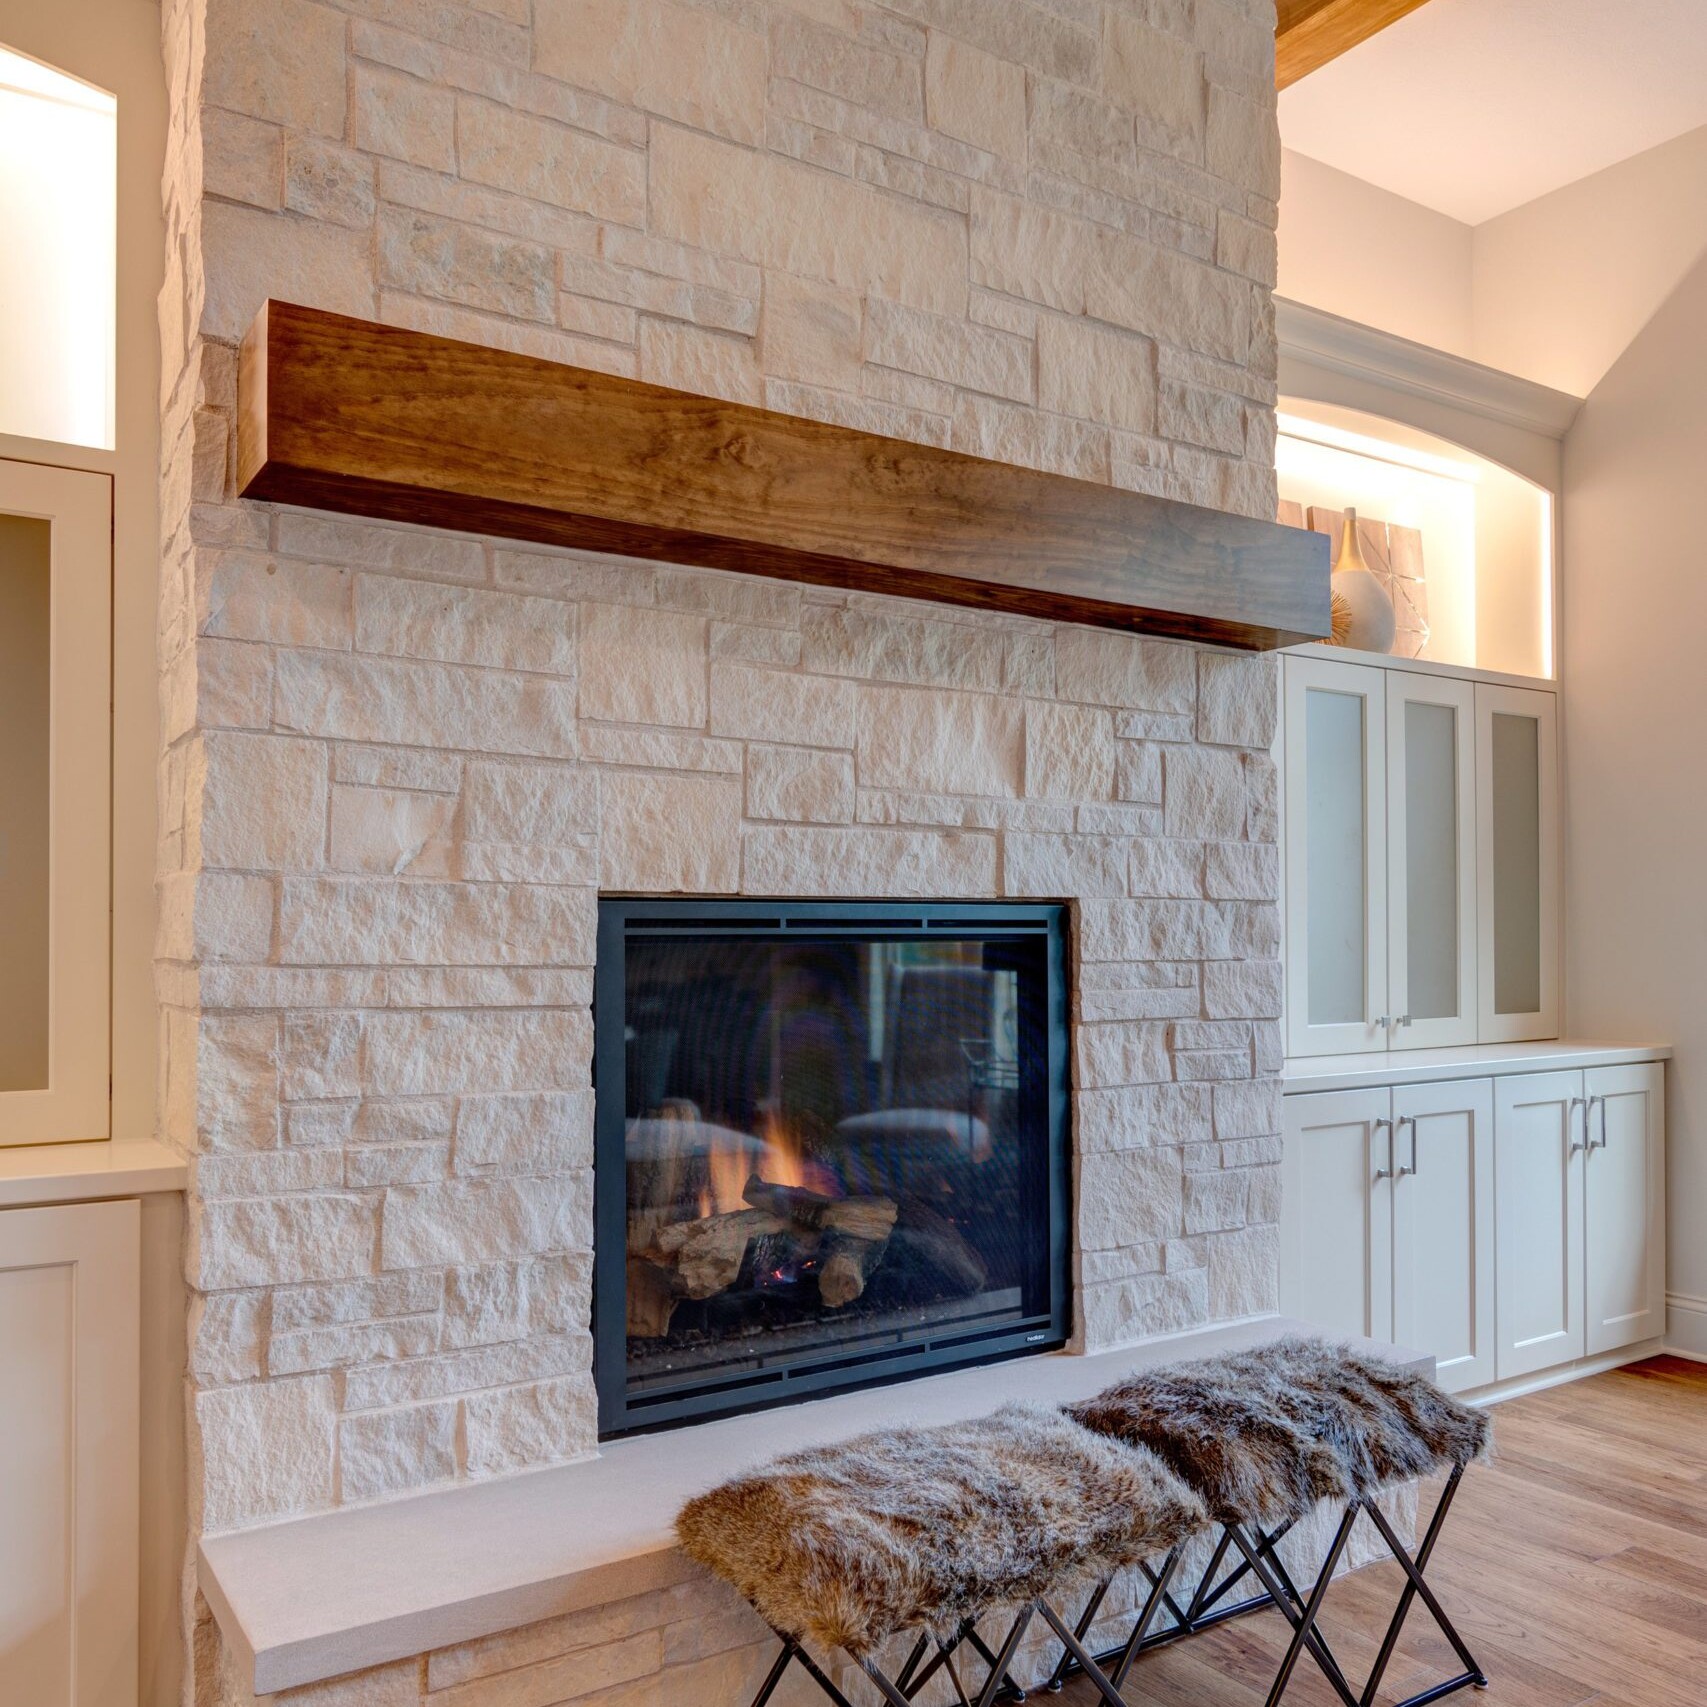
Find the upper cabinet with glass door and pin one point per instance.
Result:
(55, 688)
(1419, 755)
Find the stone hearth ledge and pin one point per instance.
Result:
(310, 1599)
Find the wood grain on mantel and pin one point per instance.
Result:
(348, 415)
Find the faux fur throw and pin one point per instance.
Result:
(1385, 1424)
(914, 1528)
(1264, 1434)
(1220, 1426)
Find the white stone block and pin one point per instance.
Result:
(265, 1451)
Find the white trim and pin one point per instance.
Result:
(1306, 1075)
(1686, 1326)
(85, 1173)
(1367, 353)
(1420, 666)
(1577, 1370)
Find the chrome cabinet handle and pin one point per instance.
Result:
(1374, 1127)
(1409, 1120)
(1588, 1114)
(1402, 1020)
(1576, 1103)
(1385, 1021)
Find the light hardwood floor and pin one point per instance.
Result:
(1575, 1566)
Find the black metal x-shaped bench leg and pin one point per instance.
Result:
(1472, 1676)
(903, 1689)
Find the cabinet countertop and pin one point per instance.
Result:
(1304, 1074)
(81, 1173)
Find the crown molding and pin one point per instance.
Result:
(1365, 352)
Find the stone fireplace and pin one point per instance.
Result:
(402, 767)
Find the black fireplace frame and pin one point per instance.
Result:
(744, 1391)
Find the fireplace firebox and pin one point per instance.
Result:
(830, 1148)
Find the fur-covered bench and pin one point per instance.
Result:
(1264, 1436)
(927, 1530)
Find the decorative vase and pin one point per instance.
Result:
(1362, 611)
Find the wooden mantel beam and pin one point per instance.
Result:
(342, 414)
(1308, 33)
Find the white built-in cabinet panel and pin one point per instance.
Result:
(69, 1278)
(56, 789)
(1624, 1206)
(1443, 1227)
(1539, 1135)
(1422, 860)
(1337, 1253)
(1517, 857)
(1431, 860)
(1336, 857)
(1389, 1228)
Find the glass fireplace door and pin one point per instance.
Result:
(837, 1156)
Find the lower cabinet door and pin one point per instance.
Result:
(1624, 1205)
(68, 1473)
(1443, 1227)
(1337, 1249)
(1539, 1124)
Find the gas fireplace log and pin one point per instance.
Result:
(848, 1264)
(707, 1253)
(856, 1217)
(929, 1241)
(651, 1300)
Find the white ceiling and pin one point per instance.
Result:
(1472, 107)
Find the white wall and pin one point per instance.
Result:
(1553, 290)
(1371, 256)
(1635, 612)
(1560, 286)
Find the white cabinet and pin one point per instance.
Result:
(1508, 1224)
(1624, 1259)
(1390, 1224)
(1337, 1247)
(1517, 862)
(69, 1278)
(1443, 1227)
(1538, 1189)
(1421, 848)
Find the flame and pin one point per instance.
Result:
(727, 1166)
(784, 1162)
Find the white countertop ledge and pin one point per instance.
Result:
(1308, 1073)
(302, 1601)
(82, 1173)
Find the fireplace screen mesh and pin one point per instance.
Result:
(837, 1151)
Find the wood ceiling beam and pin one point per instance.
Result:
(374, 420)
(1308, 33)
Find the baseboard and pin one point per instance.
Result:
(1497, 1392)
(1686, 1326)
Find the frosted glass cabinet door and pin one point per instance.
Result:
(1517, 856)
(55, 785)
(1431, 860)
(1336, 857)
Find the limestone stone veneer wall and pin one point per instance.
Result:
(399, 766)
